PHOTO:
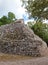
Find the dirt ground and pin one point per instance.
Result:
(38, 61)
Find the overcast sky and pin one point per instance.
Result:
(12, 6)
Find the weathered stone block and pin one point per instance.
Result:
(17, 38)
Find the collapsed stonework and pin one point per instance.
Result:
(17, 38)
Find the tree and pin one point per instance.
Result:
(40, 29)
(38, 9)
(7, 19)
(4, 20)
(1, 22)
(11, 16)
(46, 34)
(30, 24)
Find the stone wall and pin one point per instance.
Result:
(19, 47)
(17, 38)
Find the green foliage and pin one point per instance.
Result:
(37, 9)
(11, 16)
(7, 19)
(30, 24)
(4, 20)
(41, 29)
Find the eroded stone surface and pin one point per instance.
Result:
(17, 38)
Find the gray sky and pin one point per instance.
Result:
(11, 6)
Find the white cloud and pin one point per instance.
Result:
(12, 6)
(0, 2)
(29, 20)
(45, 21)
(21, 12)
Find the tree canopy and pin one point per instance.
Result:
(7, 19)
(40, 29)
(38, 9)
(11, 15)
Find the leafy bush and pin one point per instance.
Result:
(7, 19)
(40, 29)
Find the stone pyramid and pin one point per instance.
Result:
(17, 38)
